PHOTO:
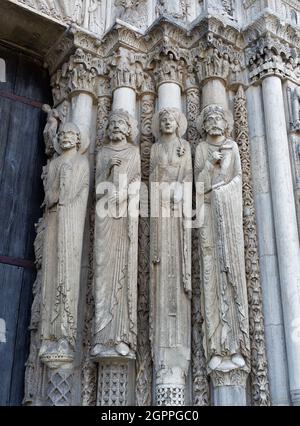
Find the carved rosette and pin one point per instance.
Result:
(143, 355)
(259, 368)
(199, 374)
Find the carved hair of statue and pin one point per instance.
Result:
(130, 121)
(215, 109)
(68, 127)
(176, 114)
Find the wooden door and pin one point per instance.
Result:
(25, 89)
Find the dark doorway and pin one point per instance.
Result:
(25, 88)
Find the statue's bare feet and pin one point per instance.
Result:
(238, 360)
(122, 349)
(97, 350)
(215, 362)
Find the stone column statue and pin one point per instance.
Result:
(224, 293)
(170, 242)
(66, 193)
(116, 238)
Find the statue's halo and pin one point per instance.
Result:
(179, 117)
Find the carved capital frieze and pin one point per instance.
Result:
(169, 68)
(126, 69)
(214, 58)
(79, 74)
(269, 55)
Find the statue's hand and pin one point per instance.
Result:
(180, 151)
(218, 185)
(115, 161)
(215, 156)
(114, 197)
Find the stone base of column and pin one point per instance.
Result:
(295, 397)
(170, 387)
(229, 388)
(115, 382)
(60, 382)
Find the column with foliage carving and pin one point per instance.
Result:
(259, 370)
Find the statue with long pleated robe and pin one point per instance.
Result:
(66, 193)
(224, 301)
(118, 178)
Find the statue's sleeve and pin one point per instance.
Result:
(237, 162)
(102, 173)
(203, 169)
(188, 175)
(153, 163)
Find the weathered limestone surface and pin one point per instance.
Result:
(151, 309)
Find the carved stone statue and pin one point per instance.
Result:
(296, 107)
(66, 192)
(51, 128)
(170, 240)
(224, 295)
(116, 238)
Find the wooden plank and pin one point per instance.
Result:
(10, 290)
(21, 191)
(11, 61)
(5, 114)
(36, 85)
(14, 261)
(21, 350)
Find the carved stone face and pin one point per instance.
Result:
(168, 124)
(117, 128)
(215, 124)
(67, 139)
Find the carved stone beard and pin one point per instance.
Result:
(117, 136)
(215, 131)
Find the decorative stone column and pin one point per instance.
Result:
(269, 274)
(214, 92)
(169, 80)
(143, 389)
(124, 81)
(259, 367)
(287, 237)
(200, 385)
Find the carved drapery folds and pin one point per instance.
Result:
(170, 257)
(224, 293)
(118, 164)
(123, 327)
